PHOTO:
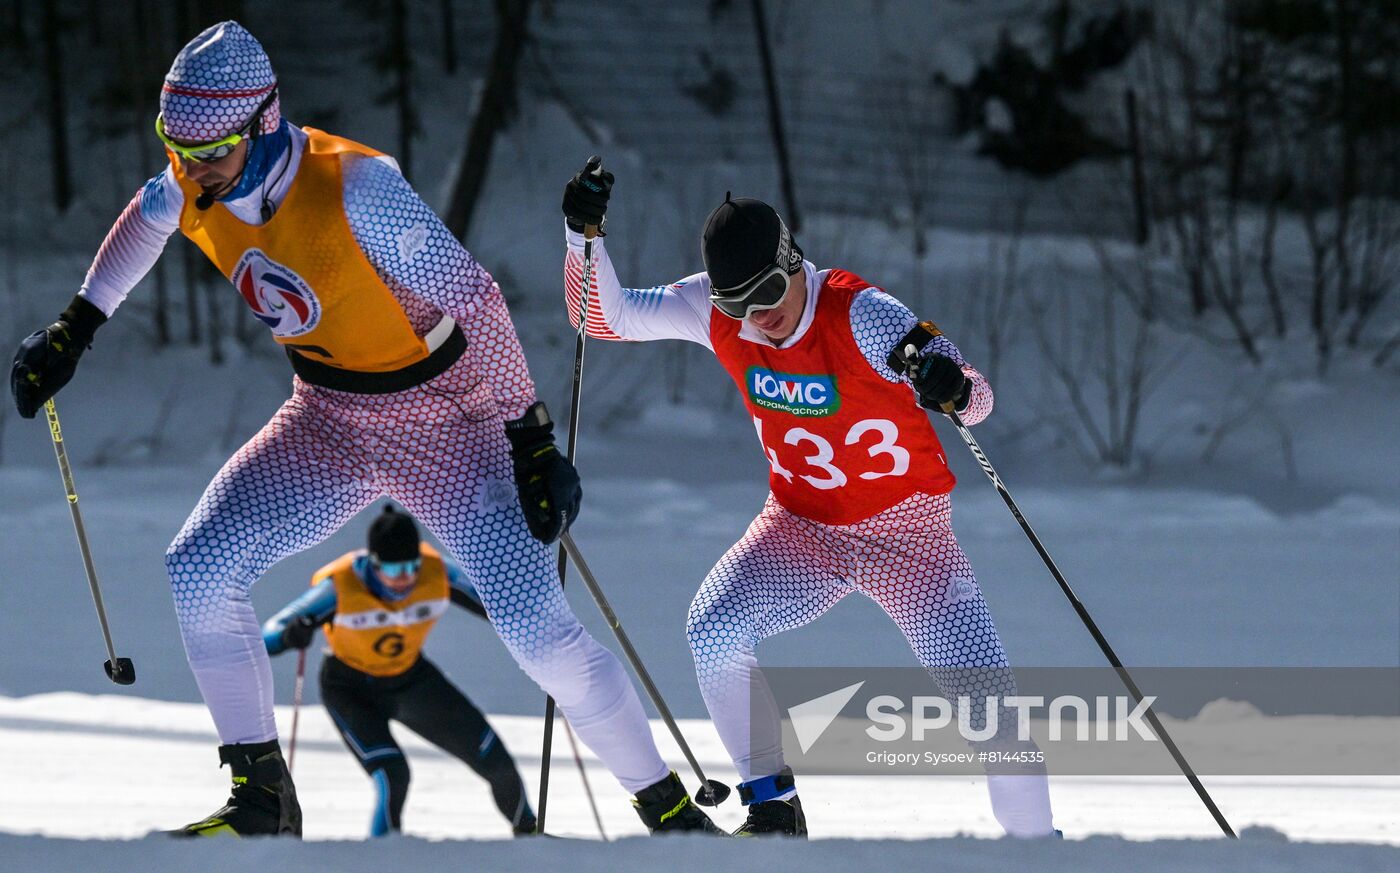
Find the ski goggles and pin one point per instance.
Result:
(766, 289)
(208, 152)
(397, 568)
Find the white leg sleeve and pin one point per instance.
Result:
(1022, 804)
(287, 489)
(774, 579)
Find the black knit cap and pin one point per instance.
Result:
(742, 239)
(393, 536)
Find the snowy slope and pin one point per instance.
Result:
(1256, 854)
(1177, 578)
(80, 755)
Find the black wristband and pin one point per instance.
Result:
(964, 398)
(579, 227)
(83, 319)
(532, 427)
(921, 335)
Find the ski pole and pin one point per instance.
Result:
(119, 670)
(595, 167)
(587, 786)
(911, 356)
(711, 792)
(296, 709)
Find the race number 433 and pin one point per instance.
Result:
(881, 434)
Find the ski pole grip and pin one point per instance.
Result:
(594, 167)
(908, 355)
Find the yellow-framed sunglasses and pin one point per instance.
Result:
(207, 152)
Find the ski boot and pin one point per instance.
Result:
(263, 800)
(666, 808)
(769, 815)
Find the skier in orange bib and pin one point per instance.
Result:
(410, 382)
(378, 606)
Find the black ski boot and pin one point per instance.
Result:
(775, 818)
(768, 815)
(263, 800)
(526, 827)
(666, 808)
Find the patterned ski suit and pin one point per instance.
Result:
(368, 290)
(859, 502)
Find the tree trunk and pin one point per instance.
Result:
(160, 314)
(1142, 229)
(1346, 188)
(775, 116)
(57, 108)
(244, 325)
(137, 65)
(93, 15)
(186, 16)
(403, 97)
(193, 280)
(1317, 248)
(17, 8)
(1266, 264)
(496, 106)
(449, 38)
(216, 326)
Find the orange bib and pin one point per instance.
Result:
(303, 274)
(378, 637)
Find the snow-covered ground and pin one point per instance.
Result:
(111, 767)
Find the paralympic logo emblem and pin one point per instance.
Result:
(278, 297)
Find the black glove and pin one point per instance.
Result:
(586, 196)
(47, 358)
(547, 483)
(938, 380)
(299, 632)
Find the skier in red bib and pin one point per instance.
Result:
(859, 483)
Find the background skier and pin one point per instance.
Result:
(378, 606)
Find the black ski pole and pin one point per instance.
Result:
(911, 356)
(594, 166)
(119, 670)
(711, 792)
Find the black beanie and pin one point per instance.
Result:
(393, 536)
(742, 239)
